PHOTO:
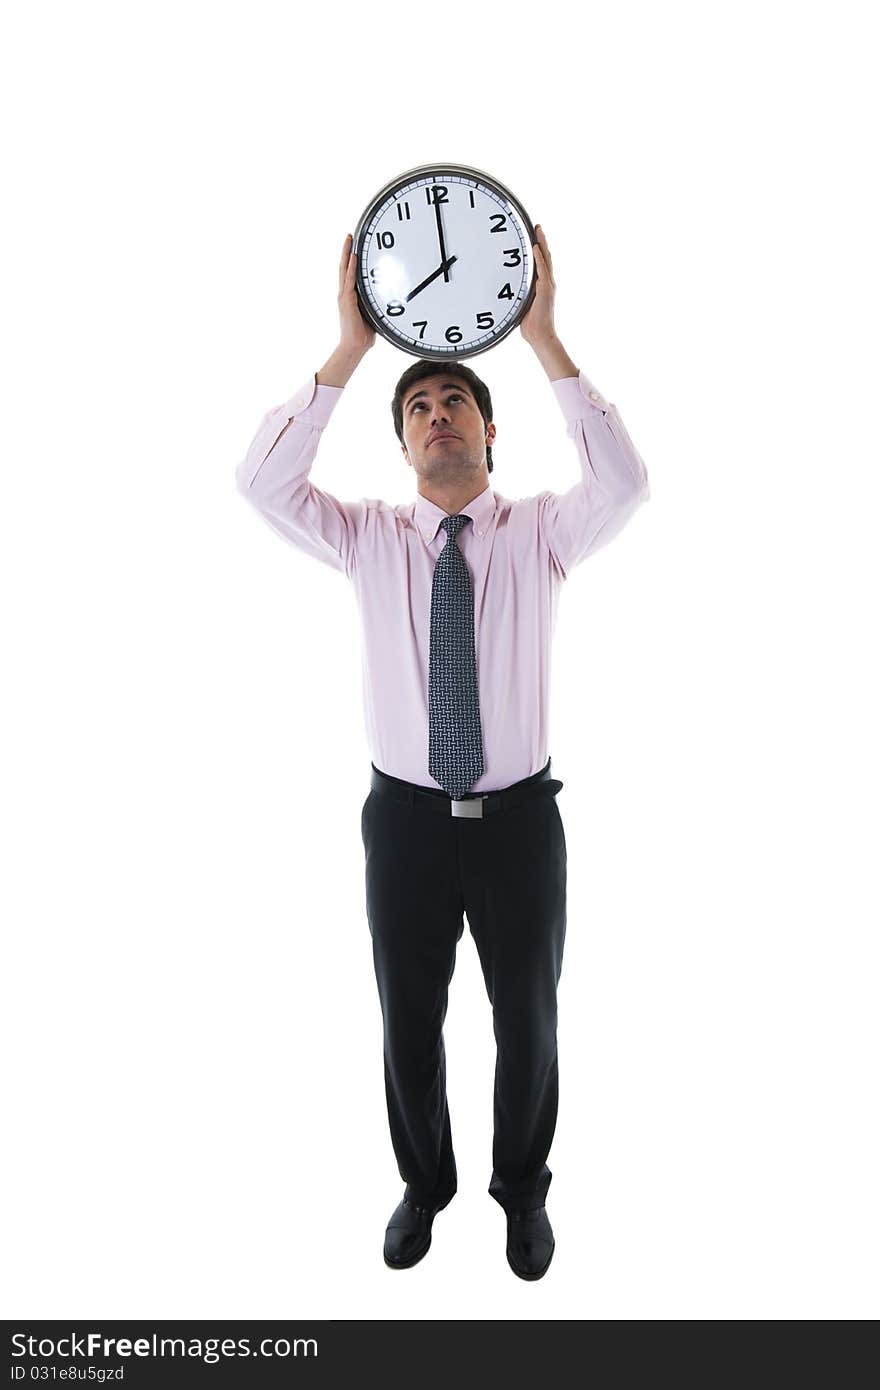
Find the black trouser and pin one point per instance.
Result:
(507, 871)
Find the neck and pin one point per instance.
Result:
(452, 498)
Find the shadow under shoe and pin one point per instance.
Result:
(530, 1242)
(408, 1233)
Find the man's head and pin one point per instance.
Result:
(433, 399)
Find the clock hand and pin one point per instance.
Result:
(442, 245)
(441, 270)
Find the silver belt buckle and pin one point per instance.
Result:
(472, 807)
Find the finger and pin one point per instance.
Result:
(544, 270)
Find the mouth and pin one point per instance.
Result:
(438, 437)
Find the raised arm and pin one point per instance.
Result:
(274, 474)
(614, 480)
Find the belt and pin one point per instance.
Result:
(473, 803)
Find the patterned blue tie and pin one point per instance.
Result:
(455, 738)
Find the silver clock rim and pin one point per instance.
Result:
(418, 171)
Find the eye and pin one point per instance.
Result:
(453, 396)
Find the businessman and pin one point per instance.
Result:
(457, 593)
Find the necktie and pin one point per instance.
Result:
(455, 738)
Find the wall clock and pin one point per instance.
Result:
(445, 267)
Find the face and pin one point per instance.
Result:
(444, 435)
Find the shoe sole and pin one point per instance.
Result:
(539, 1273)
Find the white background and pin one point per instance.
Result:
(192, 1034)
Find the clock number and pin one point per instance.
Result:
(400, 213)
(500, 218)
(385, 239)
(514, 252)
(506, 293)
(422, 324)
(454, 334)
(437, 193)
(395, 308)
(481, 317)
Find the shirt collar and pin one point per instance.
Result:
(480, 509)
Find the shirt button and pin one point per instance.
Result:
(594, 395)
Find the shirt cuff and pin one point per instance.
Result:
(578, 397)
(315, 400)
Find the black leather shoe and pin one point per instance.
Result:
(408, 1234)
(530, 1243)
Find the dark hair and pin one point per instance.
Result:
(424, 368)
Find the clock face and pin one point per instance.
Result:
(445, 264)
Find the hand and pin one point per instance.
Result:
(356, 335)
(537, 326)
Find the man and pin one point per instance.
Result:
(457, 594)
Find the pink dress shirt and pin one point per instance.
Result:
(518, 553)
